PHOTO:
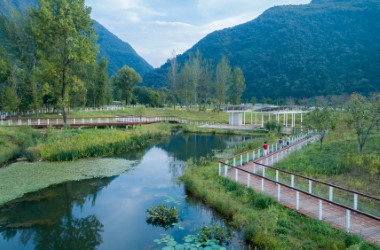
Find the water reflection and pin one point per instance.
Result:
(45, 219)
(183, 147)
(110, 213)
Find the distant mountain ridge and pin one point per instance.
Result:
(322, 48)
(117, 52)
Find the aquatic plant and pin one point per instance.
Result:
(162, 216)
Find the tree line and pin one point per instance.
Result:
(198, 83)
(48, 59)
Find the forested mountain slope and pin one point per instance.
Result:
(325, 47)
(117, 52)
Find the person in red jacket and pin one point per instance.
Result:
(265, 147)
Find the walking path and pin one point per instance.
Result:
(96, 121)
(344, 209)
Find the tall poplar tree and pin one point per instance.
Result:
(222, 75)
(237, 86)
(65, 40)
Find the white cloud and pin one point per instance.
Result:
(156, 28)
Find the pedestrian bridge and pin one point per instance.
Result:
(96, 121)
(345, 209)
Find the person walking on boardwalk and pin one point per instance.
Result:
(280, 142)
(265, 147)
(287, 141)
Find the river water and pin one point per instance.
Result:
(110, 213)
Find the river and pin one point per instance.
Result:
(110, 213)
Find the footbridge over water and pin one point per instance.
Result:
(345, 209)
(118, 121)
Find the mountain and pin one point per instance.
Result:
(117, 52)
(322, 48)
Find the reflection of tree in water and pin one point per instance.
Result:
(176, 168)
(46, 217)
(185, 146)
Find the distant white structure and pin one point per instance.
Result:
(286, 115)
(236, 115)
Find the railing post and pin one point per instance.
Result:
(236, 174)
(38, 121)
(48, 121)
(356, 201)
(74, 121)
(263, 171)
(262, 185)
(348, 220)
(241, 160)
(320, 210)
(253, 155)
(276, 175)
(234, 162)
(310, 186)
(292, 181)
(247, 157)
(254, 167)
(278, 192)
(248, 180)
(330, 193)
(297, 200)
(225, 169)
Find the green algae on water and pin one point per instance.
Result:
(20, 178)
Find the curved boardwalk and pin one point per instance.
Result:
(310, 197)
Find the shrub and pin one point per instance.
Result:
(262, 202)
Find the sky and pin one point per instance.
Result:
(156, 28)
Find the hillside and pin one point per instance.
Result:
(117, 52)
(325, 47)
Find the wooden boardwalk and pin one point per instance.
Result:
(124, 121)
(254, 174)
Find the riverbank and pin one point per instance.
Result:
(23, 143)
(265, 223)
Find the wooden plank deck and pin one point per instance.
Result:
(335, 215)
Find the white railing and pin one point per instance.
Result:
(93, 121)
(352, 201)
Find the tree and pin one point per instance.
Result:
(124, 82)
(364, 114)
(237, 86)
(195, 74)
(205, 88)
(223, 72)
(185, 89)
(322, 120)
(172, 77)
(65, 40)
